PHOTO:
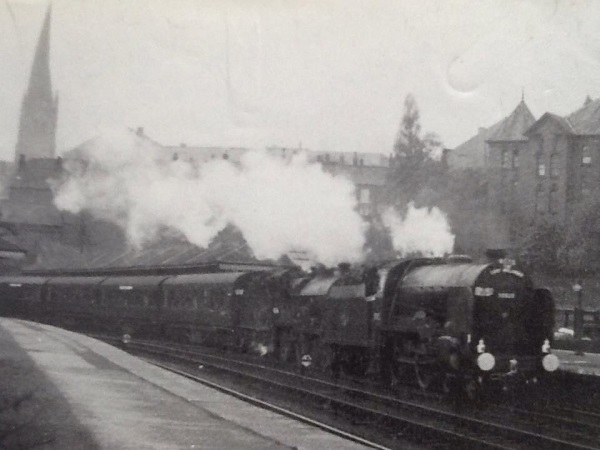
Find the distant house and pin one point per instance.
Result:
(537, 169)
(475, 152)
(506, 164)
(563, 164)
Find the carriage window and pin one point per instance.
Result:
(135, 302)
(189, 303)
(208, 298)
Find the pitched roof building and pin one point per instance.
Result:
(474, 153)
(537, 170)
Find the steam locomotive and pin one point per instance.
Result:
(432, 320)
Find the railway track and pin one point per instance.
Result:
(380, 419)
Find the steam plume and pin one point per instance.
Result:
(425, 231)
(278, 205)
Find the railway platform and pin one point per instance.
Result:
(582, 363)
(98, 397)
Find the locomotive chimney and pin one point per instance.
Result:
(344, 267)
(495, 254)
(318, 270)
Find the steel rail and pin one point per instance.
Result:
(479, 438)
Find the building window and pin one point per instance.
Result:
(586, 155)
(554, 172)
(515, 161)
(553, 200)
(539, 200)
(364, 195)
(364, 210)
(541, 166)
(505, 162)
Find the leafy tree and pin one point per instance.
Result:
(378, 246)
(464, 199)
(580, 249)
(414, 166)
(539, 245)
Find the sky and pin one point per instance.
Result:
(329, 75)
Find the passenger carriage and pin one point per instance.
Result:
(21, 296)
(71, 301)
(130, 305)
(205, 308)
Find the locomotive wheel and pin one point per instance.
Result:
(394, 369)
(286, 351)
(360, 363)
(352, 363)
(426, 372)
(324, 358)
(399, 368)
(451, 385)
(472, 390)
(126, 329)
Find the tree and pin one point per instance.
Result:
(539, 245)
(580, 249)
(414, 167)
(464, 199)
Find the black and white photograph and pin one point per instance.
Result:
(288, 224)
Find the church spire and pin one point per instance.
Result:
(37, 126)
(40, 81)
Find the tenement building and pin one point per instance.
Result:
(368, 171)
(537, 170)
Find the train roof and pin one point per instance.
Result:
(205, 278)
(207, 267)
(447, 275)
(36, 280)
(76, 280)
(134, 281)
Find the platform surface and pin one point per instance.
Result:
(582, 363)
(126, 403)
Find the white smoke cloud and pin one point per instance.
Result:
(425, 231)
(278, 205)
